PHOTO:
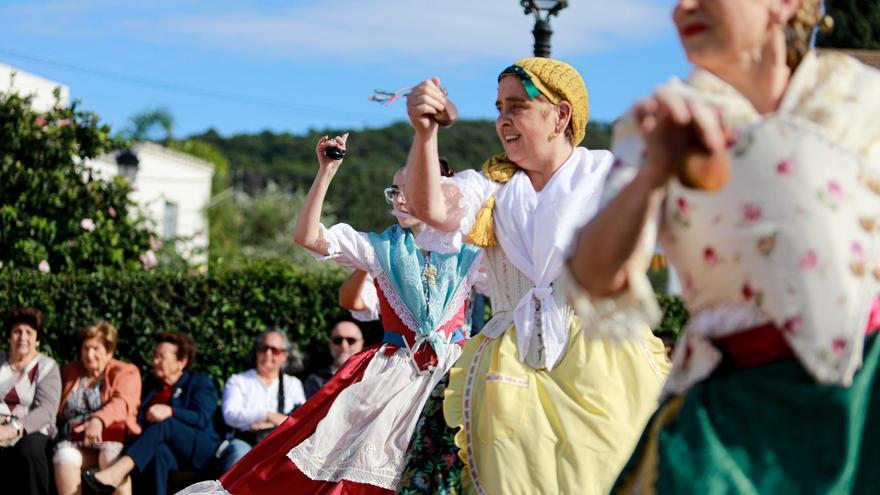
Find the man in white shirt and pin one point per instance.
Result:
(253, 403)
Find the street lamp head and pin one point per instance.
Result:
(543, 9)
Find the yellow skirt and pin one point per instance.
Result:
(566, 431)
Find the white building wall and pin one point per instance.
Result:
(29, 84)
(165, 175)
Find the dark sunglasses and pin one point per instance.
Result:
(349, 340)
(274, 350)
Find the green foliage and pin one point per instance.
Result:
(55, 213)
(144, 126)
(675, 317)
(259, 227)
(856, 25)
(223, 311)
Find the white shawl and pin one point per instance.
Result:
(536, 228)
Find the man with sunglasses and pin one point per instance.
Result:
(346, 340)
(259, 399)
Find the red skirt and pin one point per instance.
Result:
(266, 469)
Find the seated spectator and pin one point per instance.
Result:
(176, 418)
(30, 388)
(253, 401)
(346, 340)
(99, 403)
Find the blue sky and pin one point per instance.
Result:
(290, 66)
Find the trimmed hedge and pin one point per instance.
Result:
(222, 311)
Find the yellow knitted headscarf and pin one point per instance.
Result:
(557, 81)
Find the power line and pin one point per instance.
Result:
(180, 88)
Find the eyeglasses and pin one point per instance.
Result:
(393, 192)
(277, 351)
(349, 340)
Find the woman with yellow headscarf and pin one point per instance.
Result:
(539, 408)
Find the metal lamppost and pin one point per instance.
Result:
(543, 9)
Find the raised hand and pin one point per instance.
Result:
(325, 162)
(426, 105)
(685, 139)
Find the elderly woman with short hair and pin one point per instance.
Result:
(99, 402)
(259, 399)
(176, 417)
(30, 386)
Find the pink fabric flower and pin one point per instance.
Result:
(858, 251)
(751, 212)
(148, 259)
(809, 260)
(44, 267)
(834, 190)
(792, 325)
(785, 167)
(683, 206)
(87, 224)
(710, 256)
(747, 291)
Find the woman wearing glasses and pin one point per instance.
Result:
(352, 436)
(261, 398)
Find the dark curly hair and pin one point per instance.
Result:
(186, 348)
(27, 315)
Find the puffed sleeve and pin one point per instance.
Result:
(348, 247)
(465, 192)
(625, 314)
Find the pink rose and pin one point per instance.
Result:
(87, 224)
(40, 120)
(44, 267)
(751, 212)
(149, 260)
(809, 260)
(112, 212)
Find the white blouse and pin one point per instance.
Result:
(791, 239)
(533, 229)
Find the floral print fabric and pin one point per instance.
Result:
(793, 236)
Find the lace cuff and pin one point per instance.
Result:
(328, 239)
(623, 316)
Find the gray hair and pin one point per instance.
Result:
(294, 355)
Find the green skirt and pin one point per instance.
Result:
(770, 429)
(433, 466)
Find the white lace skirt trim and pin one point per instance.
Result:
(205, 488)
(365, 434)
